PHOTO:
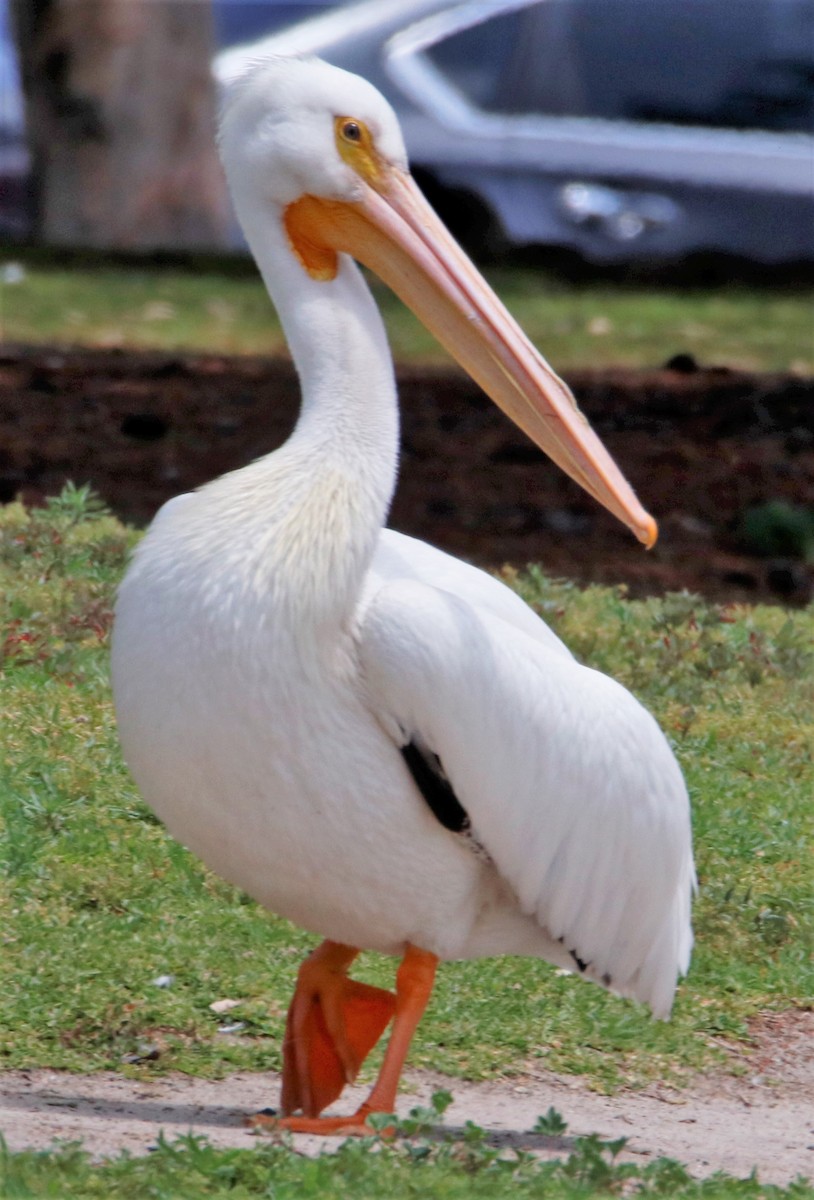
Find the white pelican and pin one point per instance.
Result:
(379, 742)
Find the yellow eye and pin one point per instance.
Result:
(355, 144)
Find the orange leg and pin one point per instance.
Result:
(333, 1023)
(357, 1022)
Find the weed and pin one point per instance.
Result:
(551, 1124)
(778, 529)
(404, 1167)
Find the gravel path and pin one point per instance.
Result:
(763, 1119)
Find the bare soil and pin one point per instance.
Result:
(699, 446)
(762, 1120)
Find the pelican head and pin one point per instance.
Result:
(320, 151)
(281, 132)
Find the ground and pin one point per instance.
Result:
(701, 447)
(762, 1120)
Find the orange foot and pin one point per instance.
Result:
(354, 1125)
(333, 1023)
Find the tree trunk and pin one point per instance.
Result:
(120, 119)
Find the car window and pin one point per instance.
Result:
(698, 62)
(476, 59)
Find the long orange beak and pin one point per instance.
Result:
(394, 231)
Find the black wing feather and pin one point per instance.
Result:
(434, 787)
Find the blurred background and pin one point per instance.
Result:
(635, 177)
(622, 129)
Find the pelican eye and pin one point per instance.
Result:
(355, 144)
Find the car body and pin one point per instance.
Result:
(622, 129)
(14, 164)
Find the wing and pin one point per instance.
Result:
(567, 781)
(401, 557)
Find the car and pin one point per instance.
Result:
(625, 130)
(239, 21)
(14, 162)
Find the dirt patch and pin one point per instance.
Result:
(699, 446)
(762, 1120)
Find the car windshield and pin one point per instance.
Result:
(692, 63)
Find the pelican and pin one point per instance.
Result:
(379, 742)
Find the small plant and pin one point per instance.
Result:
(594, 1162)
(420, 1120)
(76, 504)
(778, 529)
(551, 1123)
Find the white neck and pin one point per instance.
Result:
(329, 488)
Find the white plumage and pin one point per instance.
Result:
(275, 648)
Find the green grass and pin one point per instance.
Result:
(416, 1163)
(461, 1168)
(98, 902)
(586, 325)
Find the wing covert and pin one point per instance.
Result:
(399, 557)
(568, 782)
